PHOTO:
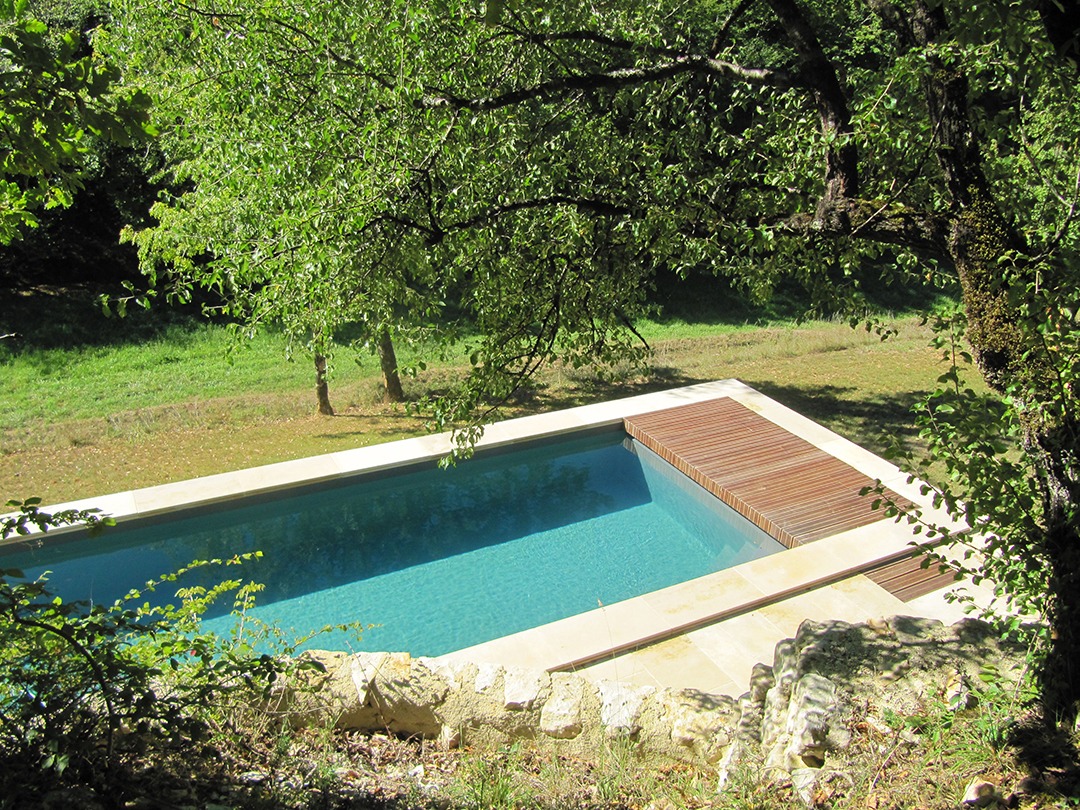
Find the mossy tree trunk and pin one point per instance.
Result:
(1006, 342)
(976, 235)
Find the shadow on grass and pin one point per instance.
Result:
(707, 299)
(869, 422)
(592, 390)
(387, 427)
(1049, 752)
(44, 318)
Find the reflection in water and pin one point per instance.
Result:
(346, 533)
(441, 558)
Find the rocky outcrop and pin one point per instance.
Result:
(796, 713)
(487, 706)
(800, 711)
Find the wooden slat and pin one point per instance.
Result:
(906, 579)
(782, 483)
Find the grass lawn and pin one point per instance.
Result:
(122, 405)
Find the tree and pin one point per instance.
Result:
(56, 101)
(278, 210)
(548, 161)
(313, 193)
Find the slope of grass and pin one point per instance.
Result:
(110, 418)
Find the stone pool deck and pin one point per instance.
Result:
(705, 633)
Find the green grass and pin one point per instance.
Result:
(90, 406)
(184, 363)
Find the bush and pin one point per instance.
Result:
(80, 682)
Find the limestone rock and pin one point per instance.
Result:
(810, 725)
(805, 737)
(406, 696)
(803, 782)
(752, 704)
(699, 722)
(561, 715)
(795, 713)
(487, 676)
(521, 687)
(981, 793)
(621, 706)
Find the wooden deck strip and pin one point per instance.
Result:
(781, 482)
(906, 579)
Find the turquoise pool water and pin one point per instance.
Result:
(438, 559)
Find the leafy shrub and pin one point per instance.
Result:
(79, 681)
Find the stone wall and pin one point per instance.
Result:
(794, 714)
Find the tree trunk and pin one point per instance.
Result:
(322, 387)
(1060, 675)
(1007, 353)
(392, 391)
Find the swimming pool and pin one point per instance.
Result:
(439, 559)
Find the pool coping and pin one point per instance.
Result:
(578, 640)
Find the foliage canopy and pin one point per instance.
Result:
(57, 99)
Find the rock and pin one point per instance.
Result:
(521, 687)
(363, 668)
(621, 706)
(448, 672)
(811, 729)
(699, 722)
(914, 628)
(752, 704)
(981, 793)
(761, 681)
(561, 715)
(958, 695)
(408, 696)
(808, 729)
(729, 761)
(803, 782)
(449, 738)
(880, 626)
(795, 713)
(487, 676)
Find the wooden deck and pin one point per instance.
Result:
(795, 491)
(906, 579)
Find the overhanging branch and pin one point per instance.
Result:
(611, 80)
(927, 233)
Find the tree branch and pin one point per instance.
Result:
(721, 35)
(819, 74)
(612, 80)
(892, 225)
